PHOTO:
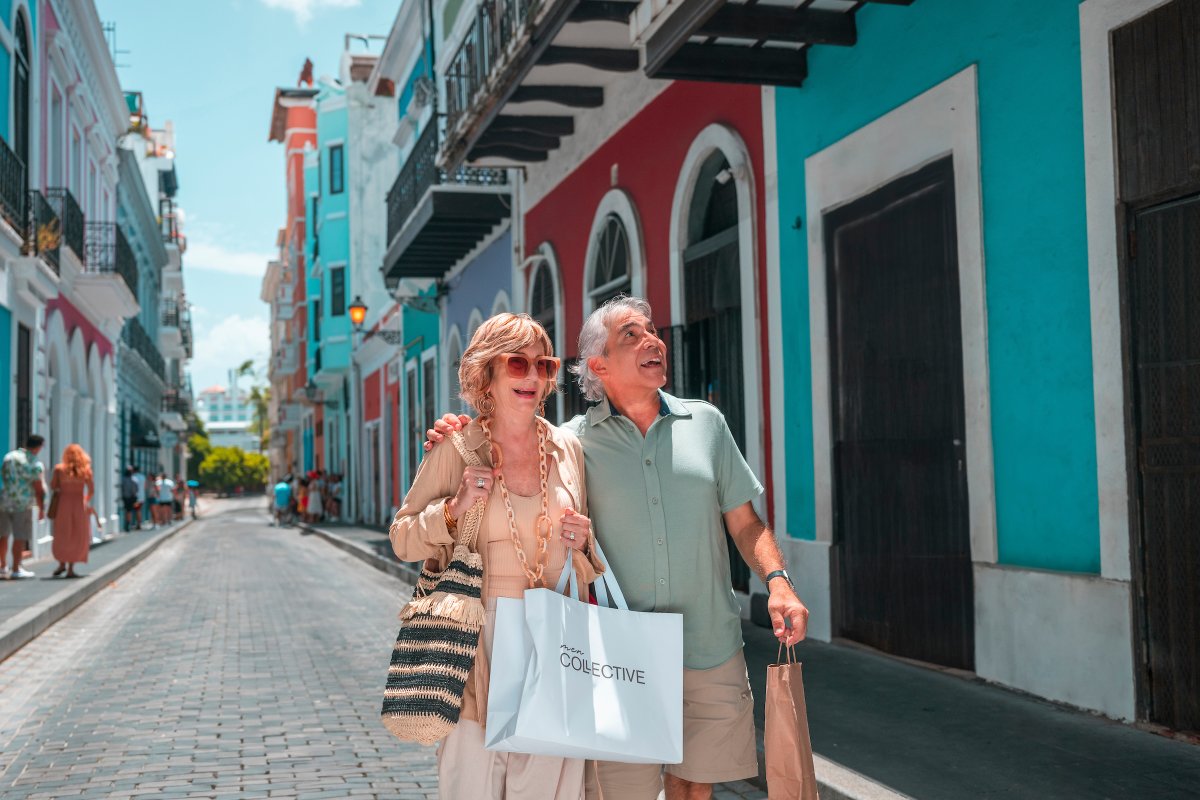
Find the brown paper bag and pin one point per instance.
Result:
(790, 772)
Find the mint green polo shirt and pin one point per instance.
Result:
(657, 504)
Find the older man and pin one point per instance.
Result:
(665, 481)
(22, 490)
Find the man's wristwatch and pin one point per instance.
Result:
(779, 573)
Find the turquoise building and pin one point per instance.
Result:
(954, 477)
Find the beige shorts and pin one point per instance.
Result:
(718, 736)
(18, 524)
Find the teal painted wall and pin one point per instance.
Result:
(1035, 249)
(334, 230)
(7, 428)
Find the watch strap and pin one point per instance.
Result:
(779, 573)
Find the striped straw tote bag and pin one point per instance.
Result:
(439, 635)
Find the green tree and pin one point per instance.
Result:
(199, 446)
(226, 469)
(260, 397)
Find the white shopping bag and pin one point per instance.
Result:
(575, 680)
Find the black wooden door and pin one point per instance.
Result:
(1165, 293)
(1156, 75)
(902, 539)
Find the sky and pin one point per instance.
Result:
(211, 67)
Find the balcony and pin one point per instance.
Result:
(45, 231)
(169, 222)
(110, 273)
(134, 336)
(175, 409)
(438, 216)
(716, 40)
(71, 215)
(170, 334)
(507, 99)
(14, 202)
(285, 361)
(289, 417)
(185, 331)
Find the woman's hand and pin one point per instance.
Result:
(443, 427)
(476, 485)
(576, 530)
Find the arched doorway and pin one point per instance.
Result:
(710, 300)
(543, 307)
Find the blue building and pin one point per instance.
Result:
(971, 344)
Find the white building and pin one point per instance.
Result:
(228, 415)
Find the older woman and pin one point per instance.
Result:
(72, 484)
(534, 526)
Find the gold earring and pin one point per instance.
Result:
(486, 405)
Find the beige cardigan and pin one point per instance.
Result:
(419, 531)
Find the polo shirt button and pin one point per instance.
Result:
(649, 461)
(660, 541)
(654, 500)
(662, 581)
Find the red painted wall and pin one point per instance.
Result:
(371, 396)
(74, 319)
(649, 152)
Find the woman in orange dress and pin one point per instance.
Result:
(72, 485)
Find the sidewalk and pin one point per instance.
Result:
(931, 735)
(30, 605)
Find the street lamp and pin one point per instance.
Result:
(358, 312)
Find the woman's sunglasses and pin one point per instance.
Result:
(518, 366)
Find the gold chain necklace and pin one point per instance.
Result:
(543, 527)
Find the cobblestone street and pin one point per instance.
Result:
(237, 661)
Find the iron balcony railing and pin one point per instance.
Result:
(496, 23)
(14, 202)
(421, 171)
(176, 402)
(109, 251)
(71, 217)
(136, 338)
(168, 217)
(169, 312)
(45, 230)
(185, 330)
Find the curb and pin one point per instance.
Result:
(25, 626)
(834, 782)
(397, 569)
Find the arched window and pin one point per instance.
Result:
(610, 270)
(542, 307)
(21, 93)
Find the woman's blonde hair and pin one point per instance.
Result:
(76, 462)
(503, 333)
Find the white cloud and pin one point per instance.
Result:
(303, 10)
(224, 346)
(206, 255)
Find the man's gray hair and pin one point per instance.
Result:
(593, 337)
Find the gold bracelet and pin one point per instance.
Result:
(451, 523)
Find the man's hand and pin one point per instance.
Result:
(784, 605)
(443, 428)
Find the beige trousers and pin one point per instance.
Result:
(466, 771)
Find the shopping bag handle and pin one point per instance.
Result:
(607, 583)
(568, 577)
(791, 655)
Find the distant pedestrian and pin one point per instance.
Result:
(193, 499)
(177, 500)
(334, 504)
(164, 489)
(139, 478)
(316, 494)
(129, 498)
(23, 488)
(283, 500)
(73, 490)
(302, 500)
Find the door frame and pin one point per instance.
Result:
(1109, 226)
(943, 121)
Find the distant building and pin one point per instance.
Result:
(228, 414)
